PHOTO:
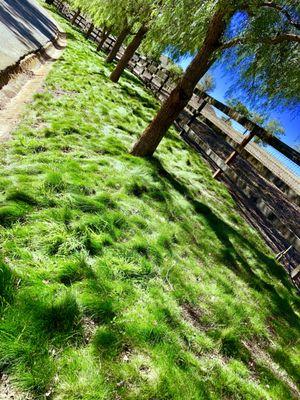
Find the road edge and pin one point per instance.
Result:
(31, 60)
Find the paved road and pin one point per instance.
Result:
(24, 27)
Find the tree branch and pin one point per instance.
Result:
(280, 38)
(275, 6)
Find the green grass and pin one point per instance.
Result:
(126, 278)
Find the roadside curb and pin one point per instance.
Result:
(31, 60)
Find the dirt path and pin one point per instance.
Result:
(20, 90)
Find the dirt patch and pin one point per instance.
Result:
(61, 92)
(8, 392)
(193, 316)
(126, 354)
(89, 328)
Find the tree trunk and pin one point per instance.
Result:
(129, 52)
(105, 35)
(73, 20)
(180, 96)
(89, 31)
(120, 39)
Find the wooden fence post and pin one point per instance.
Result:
(90, 30)
(75, 16)
(197, 112)
(234, 154)
(164, 81)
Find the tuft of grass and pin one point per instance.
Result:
(11, 213)
(74, 271)
(7, 284)
(18, 195)
(62, 314)
(107, 342)
(54, 181)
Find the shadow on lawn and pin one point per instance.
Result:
(232, 257)
(71, 36)
(283, 320)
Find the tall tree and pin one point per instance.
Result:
(240, 107)
(111, 16)
(129, 52)
(144, 14)
(207, 83)
(268, 30)
(105, 34)
(124, 15)
(119, 41)
(272, 126)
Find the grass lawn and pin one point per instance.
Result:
(126, 278)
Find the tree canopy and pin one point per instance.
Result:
(272, 126)
(259, 38)
(265, 52)
(260, 43)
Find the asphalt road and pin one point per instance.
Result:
(24, 28)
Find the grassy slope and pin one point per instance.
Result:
(125, 278)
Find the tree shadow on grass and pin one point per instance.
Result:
(144, 100)
(234, 259)
(71, 36)
(132, 78)
(282, 320)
